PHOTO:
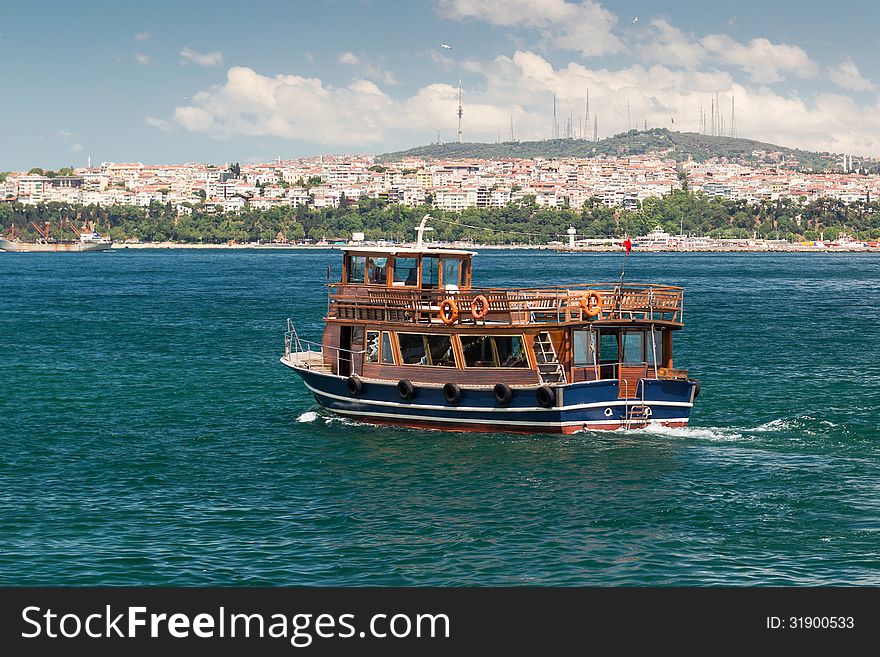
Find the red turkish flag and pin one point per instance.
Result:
(628, 244)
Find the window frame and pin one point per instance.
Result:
(495, 355)
(424, 336)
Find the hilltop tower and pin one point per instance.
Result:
(460, 112)
(587, 114)
(554, 134)
(732, 116)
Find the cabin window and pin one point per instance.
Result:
(633, 343)
(406, 271)
(430, 272)
(494, 351)
(584, 348)
(377, 269)
(357, 266)
(421, 349)
(372, 347)
(451, 273)
(608, 348)
(387, 349)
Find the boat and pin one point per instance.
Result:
(88, 239)
(409, 341)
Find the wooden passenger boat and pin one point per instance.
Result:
(409, 341)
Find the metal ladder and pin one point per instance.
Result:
(549, 367)
(639, 414)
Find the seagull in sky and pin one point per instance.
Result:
(443, 45)
(635, 20)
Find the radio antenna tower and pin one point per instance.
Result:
(587, 118)
(555, 131)
(713, 118)
(732, 116)
(460, 112)
(627, 116)
(511, 126)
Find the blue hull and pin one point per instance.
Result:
(588, 405)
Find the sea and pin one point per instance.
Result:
(150, 436)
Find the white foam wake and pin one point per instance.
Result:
(308, 416)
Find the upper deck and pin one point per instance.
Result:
(408, 285)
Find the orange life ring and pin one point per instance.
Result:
(592, 304)
(448, 311)
(479, 306)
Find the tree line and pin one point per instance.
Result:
(515, 223)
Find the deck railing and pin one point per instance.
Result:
(518, 306)
(311, 355)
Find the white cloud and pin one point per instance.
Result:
(348, 58)
(848, 76)
(162, 124)
(366, 68)
(666, 44)
(764, 61)
(76, 148)
(142, 36)
(142, 59)
(364, 115)
(202, 59)
(585, 26)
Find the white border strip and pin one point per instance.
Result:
(422, 418)
(498, 409)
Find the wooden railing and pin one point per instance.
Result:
(519, 306)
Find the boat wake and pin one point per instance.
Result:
(308, 416)
(802, 425)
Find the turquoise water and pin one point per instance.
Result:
(150, 436)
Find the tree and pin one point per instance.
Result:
(37, 171)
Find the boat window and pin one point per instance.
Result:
(633, 343)
(406, 271)
(451, 272)
(429, 272)
(493, 351)
(608, 350)
(422, 349)
(584, 348)
(412, 349)
(440, 350)
(376, 270)
(387, 349)
(372, 347)
(356, 269)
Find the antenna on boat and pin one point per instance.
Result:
(420, 230)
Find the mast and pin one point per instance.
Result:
(460, 111)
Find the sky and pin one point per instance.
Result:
(170, 82)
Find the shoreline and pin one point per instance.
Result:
(793, 248)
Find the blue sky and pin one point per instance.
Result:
(236, 81)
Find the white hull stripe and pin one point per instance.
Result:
(499, 409)
(422, 418)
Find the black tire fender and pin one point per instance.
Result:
(355, 386)
(546, 396)
(503, 394)
(452, 393)
(406, 389)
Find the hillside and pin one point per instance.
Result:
(678, 145)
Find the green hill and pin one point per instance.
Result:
(677, 145)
